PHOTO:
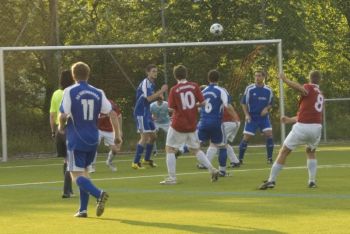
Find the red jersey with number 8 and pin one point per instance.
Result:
(311, 105)
(183, 98)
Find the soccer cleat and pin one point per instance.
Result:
(81, 214)
(241, 162)
(149, 162)
(269, 161)
(154, 153)
(168, 181)
(137, 166)
(267, 185)
(101, 202)
(178, 154)
(312, 185)
(92, 168)
(232, 164)
(201, 166)
(111, 166)
(215, 175)
(66, 195)
(223, 174)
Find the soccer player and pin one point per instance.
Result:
(210, 124)
(231, 124)
(66, 80)
(184, 98)
(256, 103)
(106, 133)
(306, 130)
(81, 105)
(145, 94)
(160, 115)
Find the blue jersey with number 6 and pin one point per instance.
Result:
(215, 99)
(83, 103)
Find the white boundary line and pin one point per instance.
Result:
(179, 174)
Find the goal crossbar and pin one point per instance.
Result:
(277, 42)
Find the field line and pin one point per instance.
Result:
(164, 175)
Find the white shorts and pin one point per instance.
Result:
(108, 137)
(309, 134)
(164, 127)
(177, 139)
(231, 129)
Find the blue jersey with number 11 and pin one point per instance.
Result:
(83, 103)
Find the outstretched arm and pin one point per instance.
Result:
(288, 120)
(293, 85)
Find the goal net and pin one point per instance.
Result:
(29, 76)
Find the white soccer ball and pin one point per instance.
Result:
(216, 29)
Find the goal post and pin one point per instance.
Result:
(277, 42)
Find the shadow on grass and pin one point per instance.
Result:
(190, 228)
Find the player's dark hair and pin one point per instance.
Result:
(66, 79)
(315, 76)
(180, 72)
(262, 72)
(150, 67)
(80, 71)
(213, 76)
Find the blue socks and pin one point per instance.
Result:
(269, 147)
(84, 200)
(86, 185)
(186, 150)
(148, 153)
(242, 148)
(222, 157)
(139, 151)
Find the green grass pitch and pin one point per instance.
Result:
(30, 199)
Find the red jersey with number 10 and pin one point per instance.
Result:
(311, 105)
(182, 99)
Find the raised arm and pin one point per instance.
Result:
(293, 85)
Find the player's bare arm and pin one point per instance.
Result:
(266, 110)
(293, 85)
(53, 123)
(62, 122)
(248, 118)
(120, 121)
(157, 94)
(113, 116)
(288, 120)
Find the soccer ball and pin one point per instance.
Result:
(216, 29)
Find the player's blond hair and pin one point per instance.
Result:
(80, 71)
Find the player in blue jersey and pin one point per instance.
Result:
(256, 104)
(146, 94)
(80, 107)
(210, 124)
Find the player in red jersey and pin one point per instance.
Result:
(106, 133)
(306, 130)
(184, 99)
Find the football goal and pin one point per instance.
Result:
(24, 88)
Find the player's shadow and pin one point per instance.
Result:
(192, 228)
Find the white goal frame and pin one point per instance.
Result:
(277, 42)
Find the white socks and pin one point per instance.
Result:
(231, 154)
(171, 165)
(110, 156)
(211, 153)
(204, 160)
(275, 169)
(312, 168)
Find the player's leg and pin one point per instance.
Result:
(150, 139)
(136, 164)
(211, 151)
(231, 129)
(62, 152)
(218, 137)
(79, 162)
(174, 140)
(248, 132)
(234, 161)
(113, 149)
(265, 126)
(314, 131)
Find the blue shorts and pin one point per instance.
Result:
(80, 160)
(144, 124)
(263, 123)
(213, 133)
